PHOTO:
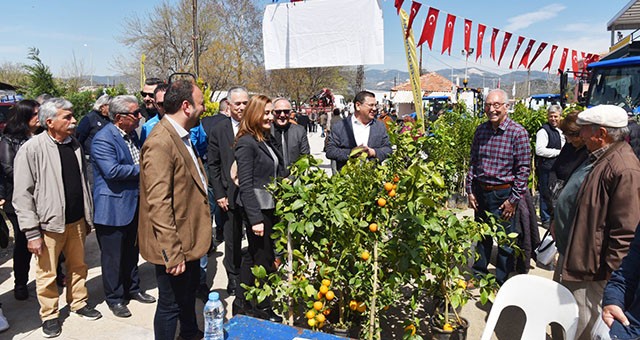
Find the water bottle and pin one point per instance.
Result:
(213, 318)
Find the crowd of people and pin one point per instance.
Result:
(177, 186)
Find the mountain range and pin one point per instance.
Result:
(540, 82)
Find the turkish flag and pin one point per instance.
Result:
(467, 35)
(448, 33)
(520, 41)
(505, 43)
(574, 62)
(481, 29)
(553, 51)
(494, 35)
(429, 27)
(563, 60)
(415, 7)
(538, 52)
(524, 61)
(399, 5)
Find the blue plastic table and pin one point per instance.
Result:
(245, 327)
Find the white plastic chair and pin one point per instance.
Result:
(542, 300)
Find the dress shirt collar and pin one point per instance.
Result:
(355, 121)
(598, 153)
(505, 124)
(182, 133)
(65, 141)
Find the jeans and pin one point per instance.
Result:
(543, 189)
(489, 202)
(176, 301)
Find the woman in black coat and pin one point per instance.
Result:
(258, 162)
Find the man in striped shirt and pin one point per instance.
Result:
(497, 179)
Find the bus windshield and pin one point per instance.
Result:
(616, 86)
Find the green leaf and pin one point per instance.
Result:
(259, 272)
(310, 291)
(309, 228)
(297, 204)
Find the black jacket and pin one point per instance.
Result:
(88, 127)
(8, 148)
(220, 157)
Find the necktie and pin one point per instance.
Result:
(285, 154)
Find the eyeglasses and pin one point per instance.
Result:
(146, 94)
(135, 113)
(494, 105)
(279, 112)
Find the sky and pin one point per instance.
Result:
(91, 29)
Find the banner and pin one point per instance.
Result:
(448, 33)
(524, 61)
(415, 8)
(574, 62)
(520, 41)
(553, 51)
(563, 61)
(429, 27)
(494, 36)
(467, 35)
(481, 29)
(412, 63)
(399, 5)
(505, 43)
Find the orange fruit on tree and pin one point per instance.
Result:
(361, 307)
(388, 186)
(321, 324)
(373, 227)
(382, 202)
(396, 178)
(320, 318)
(324, 289)
(392, 193)
(385, 307)
(326, 282)
(317, 305)
(411, 328)
(311, 314)
(395, 186)
(311, 322)
(320, 296)
(330, 295)
(447, 327)
(353, 305)
(326, 312)
(365, 255)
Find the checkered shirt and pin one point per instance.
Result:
(501, 156)
(133, 149)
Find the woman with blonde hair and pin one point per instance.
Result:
(258, 162)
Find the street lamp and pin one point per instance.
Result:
(466, 63)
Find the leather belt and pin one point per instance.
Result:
(489, 187)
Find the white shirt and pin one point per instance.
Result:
(236, 126)
(360, 131)
(542, 140)
(184, 135)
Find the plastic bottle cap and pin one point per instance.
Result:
(214, 296)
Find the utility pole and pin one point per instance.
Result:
(359, 78)
(196, 52)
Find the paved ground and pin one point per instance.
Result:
(25, 323)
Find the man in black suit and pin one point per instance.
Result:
(290, 139)
(359, 131)
(220, 158)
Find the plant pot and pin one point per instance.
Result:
(458, 333)
(341, 332)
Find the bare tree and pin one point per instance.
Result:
(14, 74)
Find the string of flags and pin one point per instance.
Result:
(429, 28)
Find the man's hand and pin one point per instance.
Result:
(473, 204)
(223, 203)
(355, 152)
(507, 210)
(35, 246)
(258, 229)
(177, 270)
(2, 201)
(370, 152)
(613, 312)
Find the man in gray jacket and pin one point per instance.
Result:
(53, 202)
(291, 139)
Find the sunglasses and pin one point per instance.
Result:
(146, 94)
(279, 112)
(135, 113)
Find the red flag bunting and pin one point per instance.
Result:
(553, 51)
(399, 5)
(538, 52)
(448, 33)
(505, 43)
(415, 7)
(520, 41)
(481, 29)
(563, 60)
(494, 35)
(524, 61)
(574, 62)
(467, 35)
(429, 27)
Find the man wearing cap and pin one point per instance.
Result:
(606, 211)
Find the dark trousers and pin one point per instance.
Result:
(260, 253)
(176, 301)
(21, 255)
(119, 260)
(543, 189)
(233, 244)
(489, 202)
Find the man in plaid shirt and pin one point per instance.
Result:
(497, 179)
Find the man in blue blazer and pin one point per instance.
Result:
(116, 154)
(360, 131)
